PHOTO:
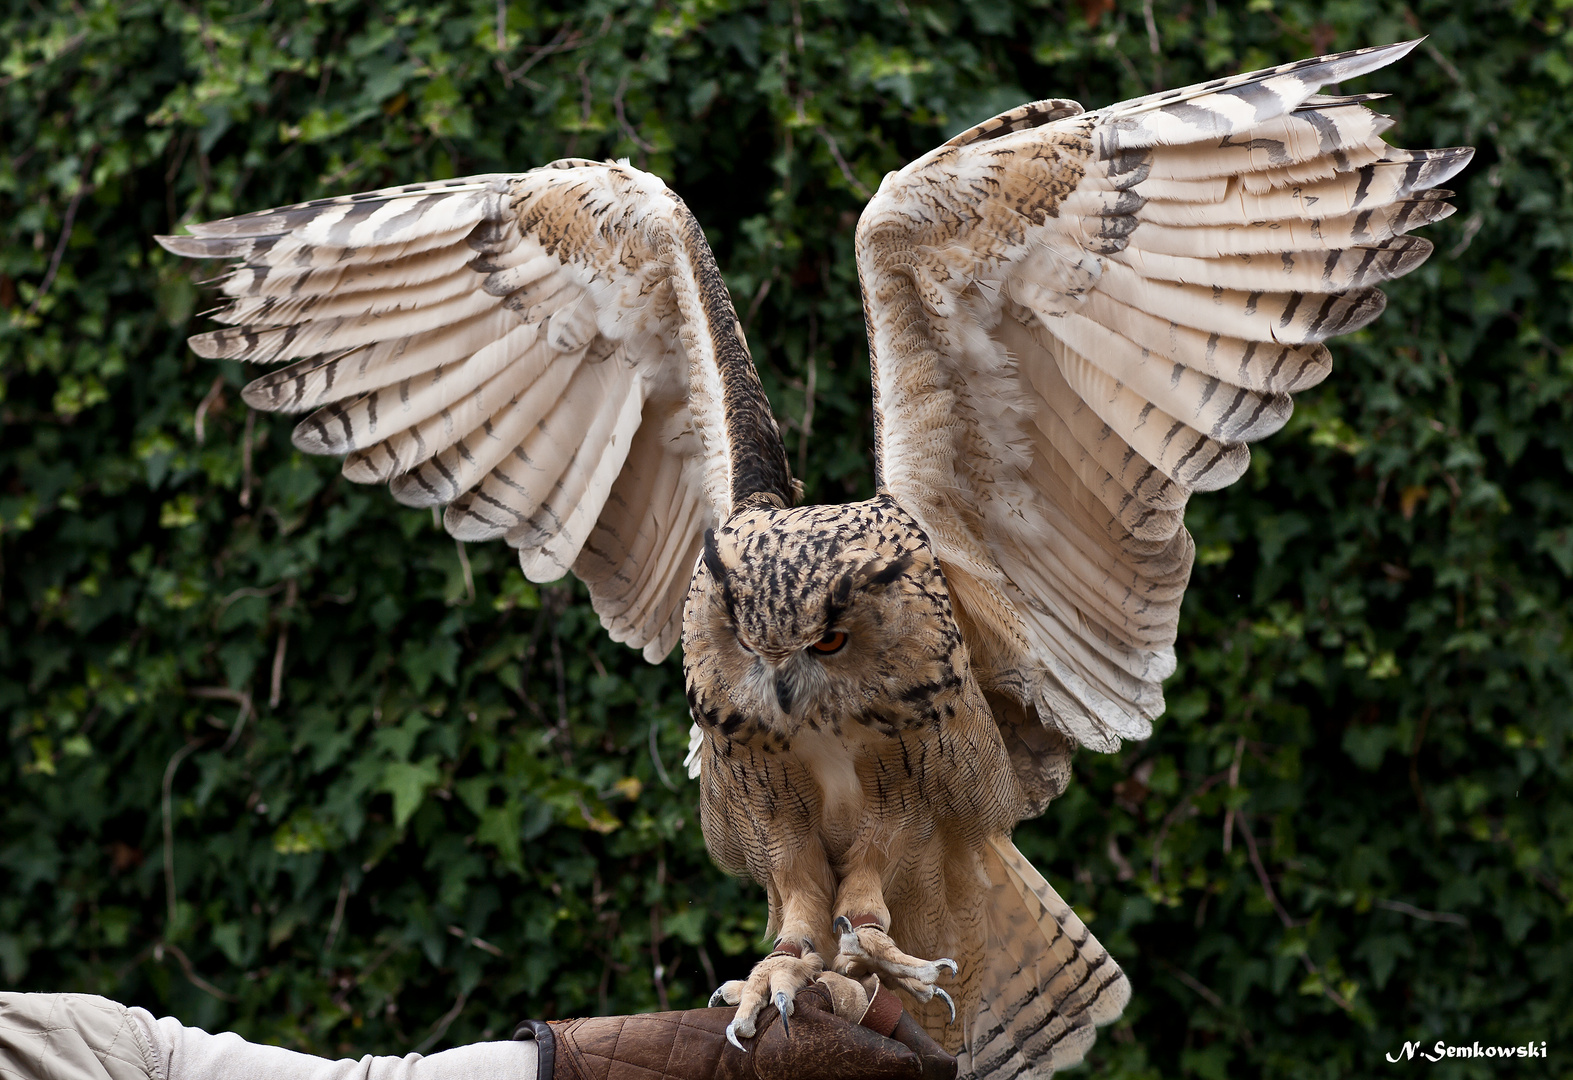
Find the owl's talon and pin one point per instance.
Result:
(775, 980)
(842, 925)
(868, 948)
(731, 1036)
(949, 1004)
(728, 993)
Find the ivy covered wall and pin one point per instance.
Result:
(283, 758)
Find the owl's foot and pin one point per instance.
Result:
(775, 980)
(868, 948)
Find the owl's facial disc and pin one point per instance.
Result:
(807, 620)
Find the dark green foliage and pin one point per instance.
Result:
(466, 806)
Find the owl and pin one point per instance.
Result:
(1075, 321)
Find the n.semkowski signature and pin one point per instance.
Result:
(1443, 1050)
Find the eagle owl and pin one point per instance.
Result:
(1075, 320)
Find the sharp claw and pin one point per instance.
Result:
(782, 1005)
(842, 925)
(731, 1037)
(717, 998)
(951, 1005)
(946, 962)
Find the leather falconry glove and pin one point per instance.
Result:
(836, 1031)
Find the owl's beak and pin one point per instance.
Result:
(784, 692)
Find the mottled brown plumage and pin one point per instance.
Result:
(1075, 321)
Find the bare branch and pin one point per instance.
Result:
(169, 821)
(82, 188)
(1420, 913)
(1261, 874)
(841, 162)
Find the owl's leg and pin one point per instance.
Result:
(861, 921)
(792, 965)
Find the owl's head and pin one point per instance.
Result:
(820, 616)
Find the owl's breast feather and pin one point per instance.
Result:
(831, 760)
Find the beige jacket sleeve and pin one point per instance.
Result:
(84, 1037)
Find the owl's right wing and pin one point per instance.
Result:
(1079, 319)
(552, 355)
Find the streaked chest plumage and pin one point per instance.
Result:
(831, 686)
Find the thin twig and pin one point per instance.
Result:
(1420, 913)
(1261, 873)
(1153, 45)
(1471, 227)
(344, 172)
(1211, 998)
(622, 117)
(276, 687)
(470, 939)
(805, 427)
(70, 45)
(224, 693)
(338, 914)
(562, 693)
(245, 458)
(1332, 995)
(247, 591)
(376, 962)
(1179, 808)
(469, 578)
(198, 419)
(1548, 883)
(191, 972)
(704, 962)
(658, 969)
(1122, 865)
(82, 188)
(560, 42)
(841, 162)
(169, 822)
(1234, 782)
(440, 1028)
(759, 298)
(655, 756)
(1443, 62)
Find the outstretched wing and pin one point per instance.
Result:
(551, 355)
(1078, 319)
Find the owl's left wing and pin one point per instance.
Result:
(550, 354)
(1078, 319)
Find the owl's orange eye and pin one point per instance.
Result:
(833, 641)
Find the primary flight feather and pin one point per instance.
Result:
(1075, 321)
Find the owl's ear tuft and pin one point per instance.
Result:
(876, 574)
(717, 568)
(713, 561)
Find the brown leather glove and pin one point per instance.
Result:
(691, 1045)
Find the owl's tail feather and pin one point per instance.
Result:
(1048, 984)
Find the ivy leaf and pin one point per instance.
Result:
(408, 784)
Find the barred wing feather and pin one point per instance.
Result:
(1079, 319)
(550, 355)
